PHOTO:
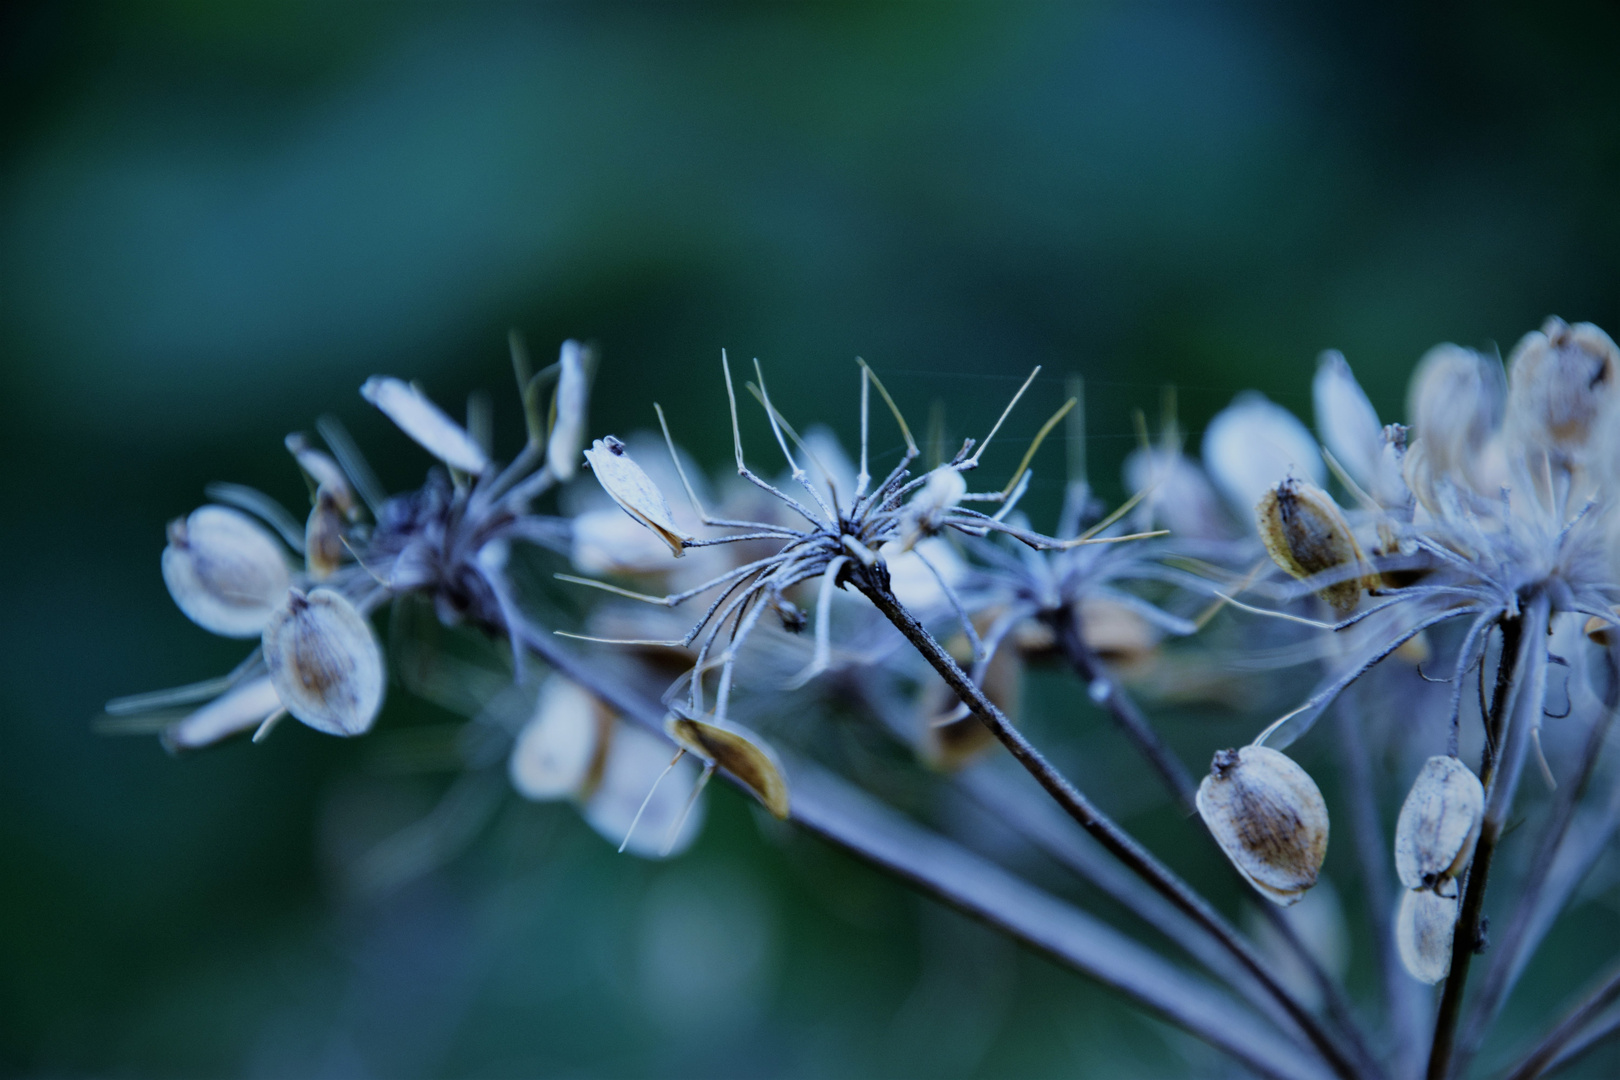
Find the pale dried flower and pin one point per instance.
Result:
(560, 752)
(568, 431)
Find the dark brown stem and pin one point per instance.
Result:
(873, 584)
(1515, 711)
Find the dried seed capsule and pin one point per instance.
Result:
(1253, 444)
(426, 423)
(1439, 823)
(324, 662)
(1268, 816)
(560, 752)
(1560, 380)
(323, 472)
(568, 432)
(740, 752)
(1454, 404)
(224, 571)
(323, 535)
(1424, 927)
(241, 708)
(634, 781)
(634, 491)
(1306, 534)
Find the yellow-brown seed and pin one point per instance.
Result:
(1306, 534)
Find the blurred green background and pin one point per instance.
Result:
(217, 219)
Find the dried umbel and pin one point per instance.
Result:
(560, 753)
(1439, 823)
(1268, 816)
(324, 662)
(1560, 380)
(1306, 534)
(224, 571)
(634, 491)
(1424, 927)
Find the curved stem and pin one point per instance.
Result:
(1515, 711)
(873, 584)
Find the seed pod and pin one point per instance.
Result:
(568, 431)
(1454, 404)
(426, 423)
(634, 491)
(324, 662)
(634, 781)
(1254, 444)
(224, 571)
(241, 708)
(1268, 816)
(1346, 419)
(1424, 927)
(560, 753)
(738, 751)
(323, 472)
(1306, 534)
(1560, 379)
(323, 535)
(1439, 823)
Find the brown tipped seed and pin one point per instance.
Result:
(738, 751)
(1439, 823)
(323, 472)
(323, 535)
(324, 662)
(634, 491)
(224, 571)
(560, 752)
(1306, 534)
(1560, 379)
(1424, 927)
(1268, 816)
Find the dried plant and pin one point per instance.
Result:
(1485, 534)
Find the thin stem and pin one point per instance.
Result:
(874, 585)
(828, 807)
(1536, 1061)
(1515, 710)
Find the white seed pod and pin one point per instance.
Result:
(324, 662)
(241, 708)
(323, 471)
(425, 423)
(1306, 534)
(636, 760)
(225, 571)
(1454, 404)
(323, 535)
(1561, 378)
(1254, 444)
(1346, 419)
(568, 432)
(634, 491)
(738, 751)
(560, 752)
(1425, 924)
(1439, 823)
(1268, 816)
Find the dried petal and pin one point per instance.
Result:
(1253, 444)
(225, 571)
(634, 491)
(738, 751)
(1424, 927)
(1268, 816)
(1306, 534)
(1439, 823)
(1182, 498)
(560, 753)
(241, 708)
(323, 535)
(426, 423)
(636, 759)
(324, 662)
(1346, 419)
(1560, 380)
(322, 470)
(568, 432)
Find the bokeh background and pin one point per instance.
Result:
(217, 219)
